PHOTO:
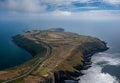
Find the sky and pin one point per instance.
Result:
(60, 9)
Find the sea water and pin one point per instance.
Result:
(106, 65)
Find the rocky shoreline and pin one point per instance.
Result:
(74, 77)
(69, 77)
(70, 53)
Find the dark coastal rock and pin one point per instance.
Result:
(61, 76)
(79, 67)
(70, 81)
(46, 80)
(71, 77)
(87, 49)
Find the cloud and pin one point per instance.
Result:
(43, 5)
(23, 5)
(88, 7)
(58, 9)
(95, 74)
(61, 13)
(64, 2)
(35, 5)
(113, 2)
(67, 15)
(87, 2)
(92, 15)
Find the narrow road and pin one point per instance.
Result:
(32, 69)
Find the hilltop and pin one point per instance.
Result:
(56, 29)
(69, 53)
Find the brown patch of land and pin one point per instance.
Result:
(67, 51)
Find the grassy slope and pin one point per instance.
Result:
(67, 52)
(38, 52)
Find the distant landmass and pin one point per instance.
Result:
(56, 29)
(58, 56)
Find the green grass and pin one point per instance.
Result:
(44, 71)
(35, 59)
(33, 48)
(30, 62)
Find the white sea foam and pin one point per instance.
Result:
(110, 59)
(95, 74)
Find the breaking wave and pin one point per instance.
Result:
(95, 74)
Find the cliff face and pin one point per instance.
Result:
(30, 45)
(70, 53)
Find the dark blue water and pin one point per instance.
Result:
(109, 31)
(10, 54)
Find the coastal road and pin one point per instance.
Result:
(33, 68)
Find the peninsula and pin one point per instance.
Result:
(58, 56)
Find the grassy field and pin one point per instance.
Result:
(67, 51)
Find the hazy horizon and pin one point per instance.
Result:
(97, 18)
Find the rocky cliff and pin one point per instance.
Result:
(70, 53)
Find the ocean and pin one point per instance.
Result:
(106, 65)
